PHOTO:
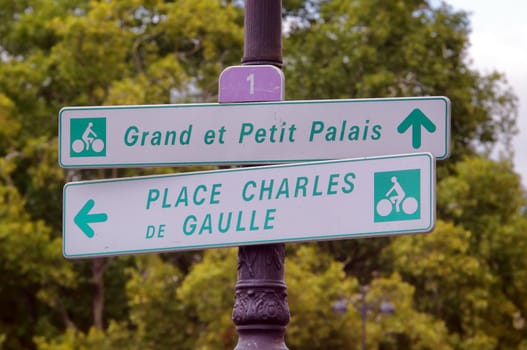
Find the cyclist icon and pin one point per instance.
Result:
(88, 141)
(395, 199)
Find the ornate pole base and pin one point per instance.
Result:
(260, 309)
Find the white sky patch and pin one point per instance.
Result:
(499, 43)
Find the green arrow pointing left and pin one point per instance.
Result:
(83, 219)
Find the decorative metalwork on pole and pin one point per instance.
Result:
(260, 309)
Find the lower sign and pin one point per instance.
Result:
(282, 203)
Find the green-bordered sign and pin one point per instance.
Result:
(252, 133)
(295, 202)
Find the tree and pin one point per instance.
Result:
(442, 270)
(61, 53)
(314, 324)
(482, 195)
(486, 198)
(33, 274)
(463, 285)
(470, 271)
(208, 295)
(352, 49)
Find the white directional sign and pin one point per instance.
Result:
(252, 133)
(295, 202)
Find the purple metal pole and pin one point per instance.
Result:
(260, 309)
(263, 32)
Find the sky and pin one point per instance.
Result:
(499, 42)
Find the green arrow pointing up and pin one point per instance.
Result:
(84, 218)
(416, 119)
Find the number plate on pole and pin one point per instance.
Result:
(251, 84)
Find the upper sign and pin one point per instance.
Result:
(294, 202)
(251, 83)
(252, 133)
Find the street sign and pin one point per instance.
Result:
(309, 201)
(252, 133)
(251, 84)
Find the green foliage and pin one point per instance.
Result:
(485, 197)
(208, 293)
(115, 337)
(152, 299)
(399, 48)
(59, 53)
(460, 287)
(470, 196)
(442, 268)
(8, 128)
(406, 328)
(314, 324)
(32, 271)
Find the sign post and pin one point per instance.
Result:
(260, 310)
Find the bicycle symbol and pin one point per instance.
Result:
(396, 199)
(88, 141)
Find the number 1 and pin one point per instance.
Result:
(250, 79)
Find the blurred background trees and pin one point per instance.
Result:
(461, 287)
